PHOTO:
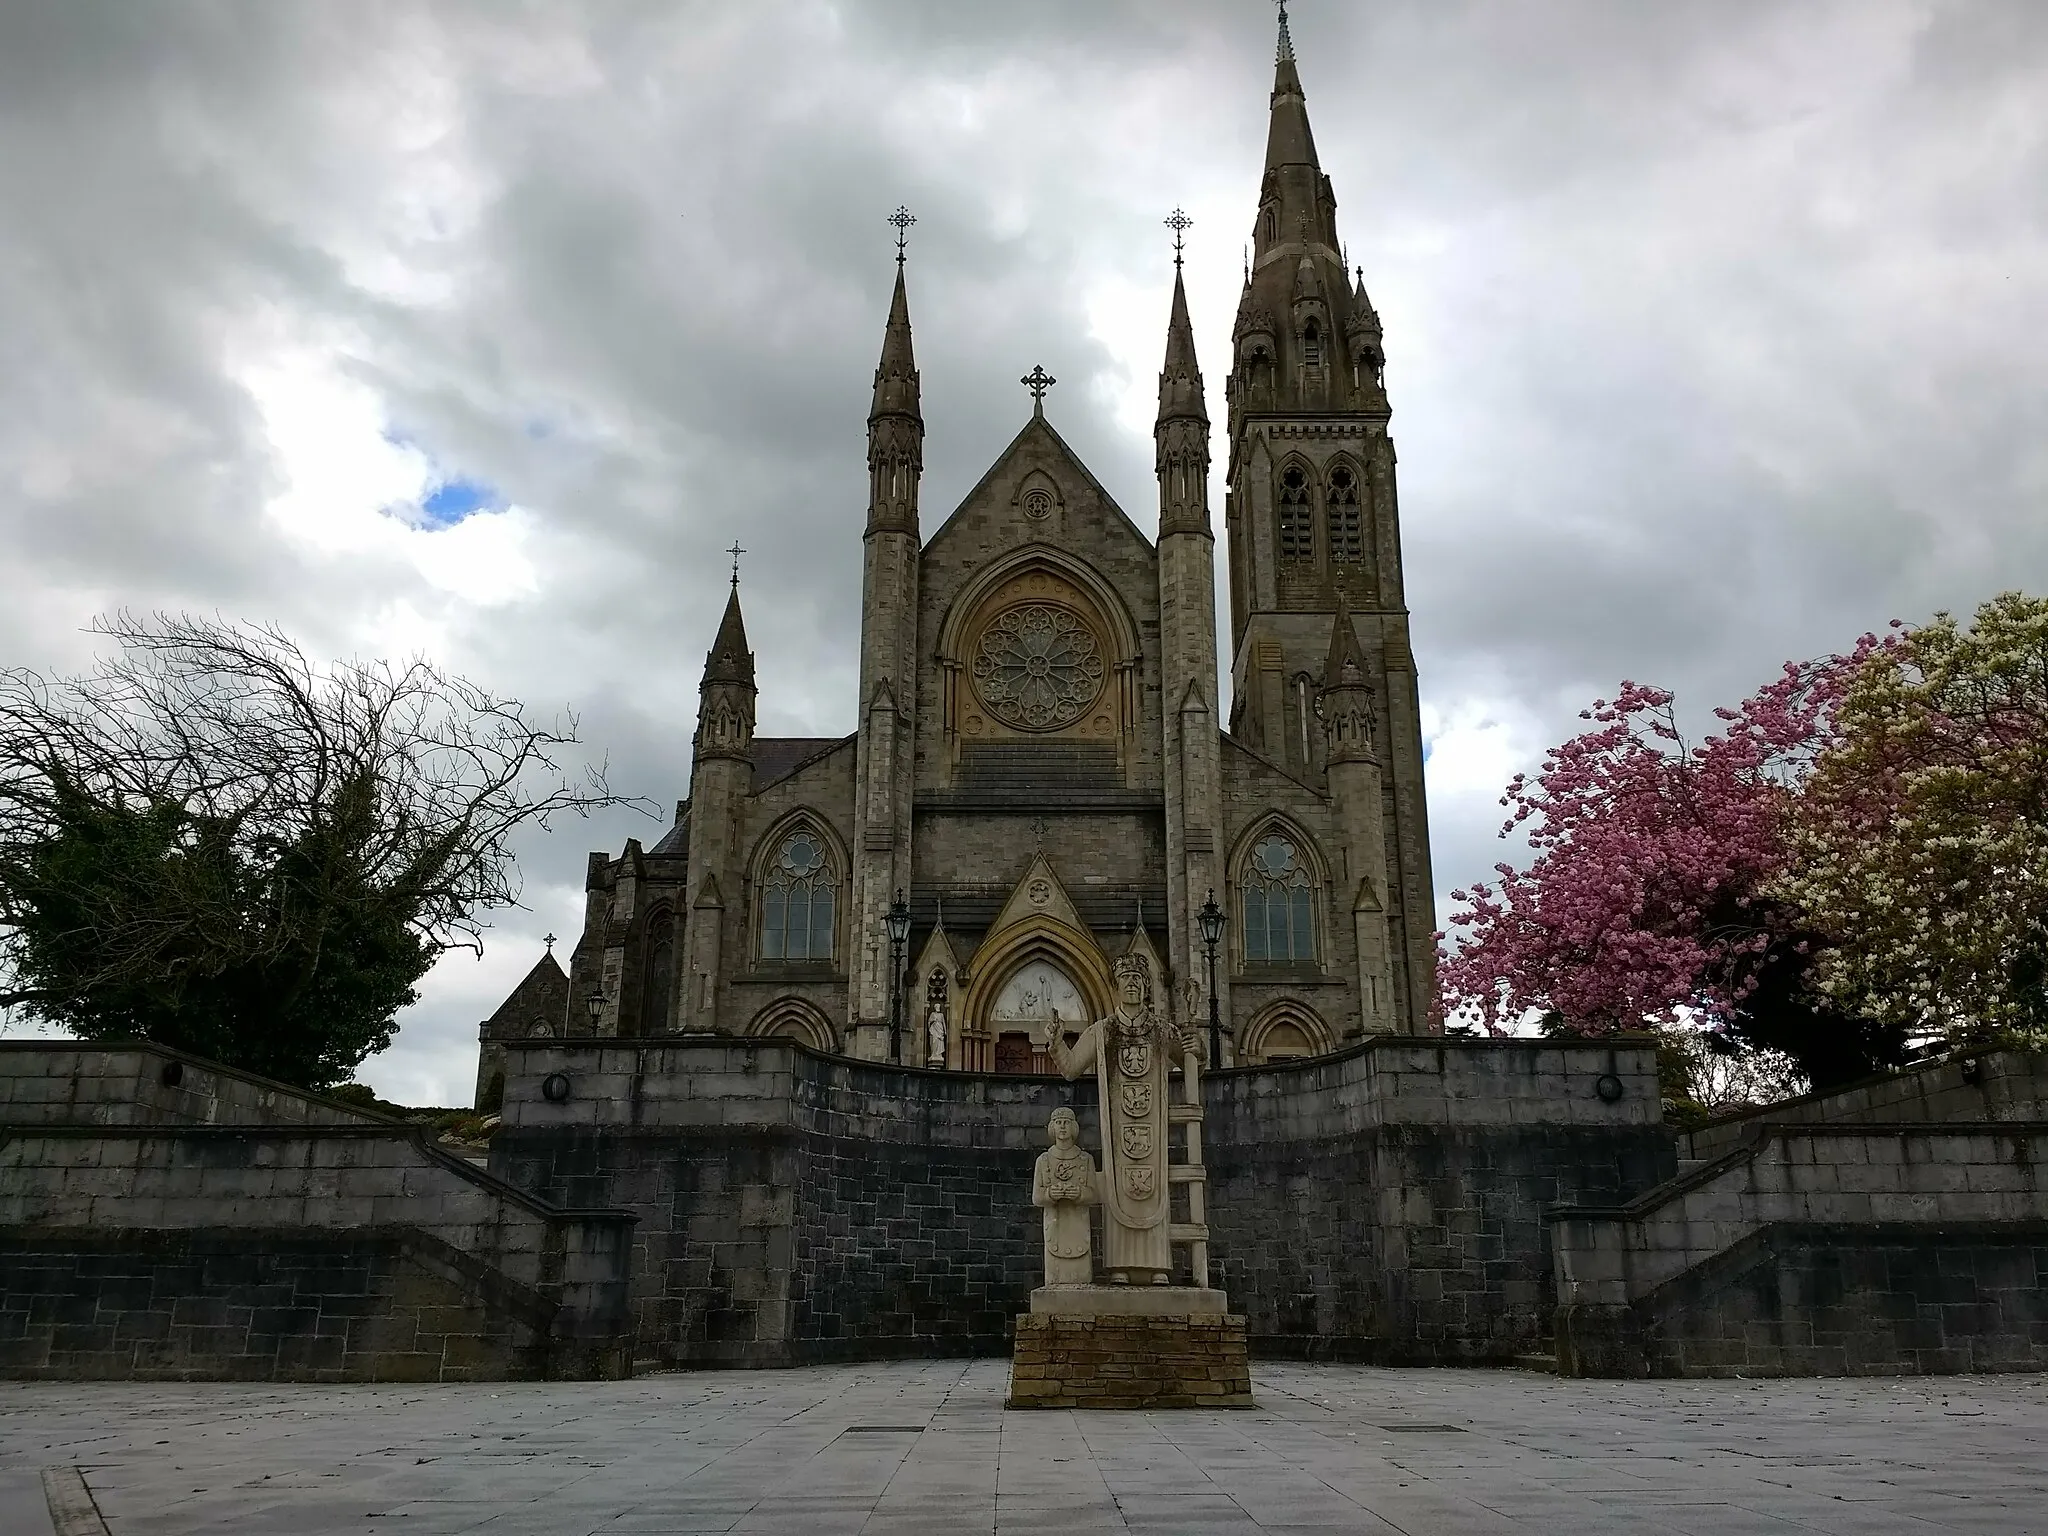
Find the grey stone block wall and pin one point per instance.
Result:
(1679, 1280)
(1817, 1299)
(75, 1083)
(260, 1305)
(1991, 1086)
(1383, 1203)
(541, 1285)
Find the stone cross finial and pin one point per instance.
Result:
(902, 218)
(1178, 222)
(1038, 381)
(735, 552)
(550, 942)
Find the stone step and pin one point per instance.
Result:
(1547, 1364)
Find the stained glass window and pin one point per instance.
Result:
(1278, 914)
(798, 901)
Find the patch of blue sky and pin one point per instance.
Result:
(449, 502)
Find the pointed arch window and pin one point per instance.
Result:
(799, 900)
(1312, 345)
(1276, 897)
(1297, 516)
(660, 975)
(1347, 522)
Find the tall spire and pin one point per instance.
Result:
(1180, 379)
(895, 424)
(1181, 433)
(1288, 140)
(896, 383)
(725, 698)
(729, 660)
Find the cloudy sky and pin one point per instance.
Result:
(1715, 332)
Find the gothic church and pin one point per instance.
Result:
(1040, 776)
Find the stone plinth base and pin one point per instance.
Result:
(1127, 1301)
(1130, 1362)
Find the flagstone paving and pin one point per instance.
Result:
(927, 1447)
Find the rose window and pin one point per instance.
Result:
(1037, 668)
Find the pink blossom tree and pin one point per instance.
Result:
(1643, 904)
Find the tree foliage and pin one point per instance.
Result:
(210, 842)
(1920, 844)
(1645, 902)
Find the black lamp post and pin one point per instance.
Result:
(1210, 919)
(898, 924)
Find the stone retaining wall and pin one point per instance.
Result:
(1384, 1203)
(106, 1217)
(1760, 1260)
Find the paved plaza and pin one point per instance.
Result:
(926, 1447)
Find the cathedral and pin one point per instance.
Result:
(1042, 780)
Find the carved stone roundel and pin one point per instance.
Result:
(1037, 668)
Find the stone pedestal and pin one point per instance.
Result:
(1127, 1301)
(1183, 1360)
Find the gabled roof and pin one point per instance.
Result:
(1035, 426)
(777, 757)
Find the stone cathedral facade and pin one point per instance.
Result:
(1041, 771)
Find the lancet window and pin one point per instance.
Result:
(1278, 909)
(660, 974)
(799, 900)
(1297, 516)
(1346, 522)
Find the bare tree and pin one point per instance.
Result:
(212, 841)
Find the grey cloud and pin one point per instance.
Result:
(1711, 326)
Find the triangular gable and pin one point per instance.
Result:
(1035, 426)
(1039, 895)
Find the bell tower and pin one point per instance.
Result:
(1314, 527)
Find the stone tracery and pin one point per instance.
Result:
(1037, 667)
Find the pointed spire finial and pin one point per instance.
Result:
(1285, 51)
(735, 552)
(902, 218)
(1179, 223)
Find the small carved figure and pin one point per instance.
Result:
(935, 1035)
(1064, 1185)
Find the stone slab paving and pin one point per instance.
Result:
(926, 1447)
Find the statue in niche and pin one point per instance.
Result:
(935, 1030)
(1064, 1185)
(1131, 1051)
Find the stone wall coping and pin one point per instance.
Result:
(393, 1131)
(152, 1048)
(2005, 1062)
(1763, 1133)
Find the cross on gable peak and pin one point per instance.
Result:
(1038, 381)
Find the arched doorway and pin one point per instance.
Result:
(1035, 995)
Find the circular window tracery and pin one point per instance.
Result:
(1037, 668)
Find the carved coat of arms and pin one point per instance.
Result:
(1136, 1100)
(1134, 1058)
(1140, 1182)
(1137, 1143)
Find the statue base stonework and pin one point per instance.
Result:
(1186, 1360)
(1127, 1301)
